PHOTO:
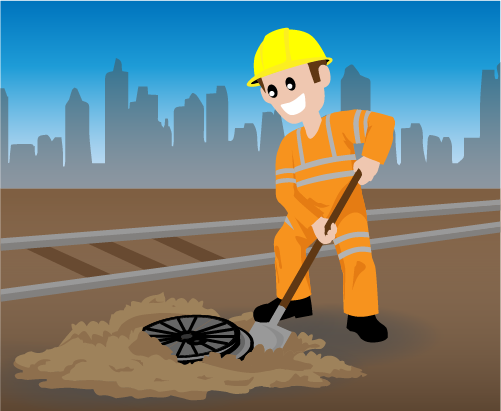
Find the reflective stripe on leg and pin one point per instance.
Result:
(360, 234)
(353, 251)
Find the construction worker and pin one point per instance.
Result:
(313, 167)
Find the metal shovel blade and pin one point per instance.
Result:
(269, 334)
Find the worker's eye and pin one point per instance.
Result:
(290, 83)
(272, 91)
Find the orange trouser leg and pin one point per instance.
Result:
(290, 252)
(354, 252)
(359, 285)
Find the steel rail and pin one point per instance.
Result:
(219, 227)
(112, 280)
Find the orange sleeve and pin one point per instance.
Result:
(287, 193)
(374, 130)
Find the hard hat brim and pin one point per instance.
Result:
(284, 66)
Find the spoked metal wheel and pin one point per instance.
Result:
(191, 337)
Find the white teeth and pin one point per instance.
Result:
(295, 106)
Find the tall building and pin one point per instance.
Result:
(439, 153)
(391, 160)
(412, 152)
(272, 133)
(489, 113)
(245, 139)
(77, 139)
(22, 157)
(116, 109)
(168, 132)
(473, 152)
(49, 153)
(148, 140)
(217, 116)
(189, 123)
(4, 129)
(355, 90)
(355, 95)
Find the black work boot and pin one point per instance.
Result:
(296, 308)
(368, 328)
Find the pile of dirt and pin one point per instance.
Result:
(118, 359)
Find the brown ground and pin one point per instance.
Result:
(36, 212)
(440, 302)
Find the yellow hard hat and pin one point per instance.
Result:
(282, 49)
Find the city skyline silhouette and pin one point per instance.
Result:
(143, 153)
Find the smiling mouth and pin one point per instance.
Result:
(295, 106)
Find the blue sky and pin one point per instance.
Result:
(424, 59)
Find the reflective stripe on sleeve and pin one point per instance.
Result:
(325, 177)
(329, 134)
(353, 251)
(362, 234)
(299, 145)
(355, 126)
(284, 171)
(323, 161)
(316, 163)
(366, 118)
(285, 180)
(288, 222)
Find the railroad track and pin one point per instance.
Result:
(210, 262)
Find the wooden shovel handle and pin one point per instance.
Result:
(318, 245)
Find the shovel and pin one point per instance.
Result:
(269, 334)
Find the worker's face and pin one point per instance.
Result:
(293, 94)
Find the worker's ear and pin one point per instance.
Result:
(325, 75)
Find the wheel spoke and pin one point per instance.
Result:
(167, 339)
(192, 324)
(218, 339)
(194, 349)
(209, 347)
(180, 349)
(218, 331)
(161, 331)
(181, 324)
(204, 330)
(172, 328)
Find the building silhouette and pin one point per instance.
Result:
(115, 116)
(141, 152)
(189, 123)
(22, 157)
(217, 116)
(77, 139)
(489, 114)
(4, 129)
(148, 141)
(355, 90)
(245, 139)
(168, 132)
(412, 153)
(439, 153)
(49, 153)
(272, 133)
(355, 95)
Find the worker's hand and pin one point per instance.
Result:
(368, 168)
(319, 230)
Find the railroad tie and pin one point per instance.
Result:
(69, 262)
(128, 255)
(190, 249)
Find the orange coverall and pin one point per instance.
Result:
(311, 175)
